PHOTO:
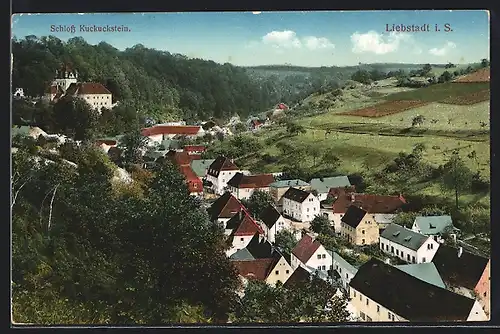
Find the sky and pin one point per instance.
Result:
(270, 38)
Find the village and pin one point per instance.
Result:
(406, 275)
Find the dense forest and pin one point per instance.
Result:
(159, 84)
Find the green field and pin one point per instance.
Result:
(439, 92)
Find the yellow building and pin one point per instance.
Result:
(381, 292)
(359, 227)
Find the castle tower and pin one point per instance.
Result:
(65, 76)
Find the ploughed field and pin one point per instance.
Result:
(449, 93)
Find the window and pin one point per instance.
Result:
(432, 246)
(484, 294)
(307, 209)
(387, 247)
(397, 252)
(392, 249)
(331, 267)
(362, 231)
(413, 259)
(389, 315)
(288, 271)
(354, 293)
(319, 256)
(423, 259)
(402, 255)
(277, 272)
(363, 241)
(392, 316)
(360, 298)
(362, 315)
(319, 267)
(367, 301)
(346, 275)
(323, 267)
(382, 246)
(241, 239)
(428, 246)
(408, 257)
(378, 308)
(323, 256)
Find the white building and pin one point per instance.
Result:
(243, 186)
(273, 222)
(408, 245)
(300, 205)
(240, 230)
(435, 226)
(220, 172)
(344, 269)
(157, 134)
(19, 93)
(311, 253)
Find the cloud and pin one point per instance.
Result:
(288, 39)
(448, 46)
(314, 43)
(380, 44)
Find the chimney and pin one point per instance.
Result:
(240, 214)
(460, 251)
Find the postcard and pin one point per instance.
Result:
(250, 167)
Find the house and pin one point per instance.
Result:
(300, 205)
(270, 270)
(106, 143)
(465, 273)
(381, 292)
(323, 185)
(27, 131)
(256, 124)
(195, 149)
(299, 276)
(279, 188)
(220, 172)
(200, 167)
(359, 227)
(183, 161)
(344, 270)
(242, 186)
(95, 94)
(383, 220)
(435, 226)
(19, 93)
(373, 204)
(242, 255)
(407, 245)
(426, 272)
(311, 253)
(281, 106)
(64, 77)
(224, 208)
(158, 133)
(240, 229)
(273, 222)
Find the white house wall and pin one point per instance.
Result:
(303, 212)
(397, 250)
(239, 242)
(281, 224)
(325, 261)
(98, 101)
(424, 254)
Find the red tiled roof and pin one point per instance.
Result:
(189, 174)
(225, 206)
(254, 269)
(186, 130)
(239, 180)
(248, 226)
(195, 148)
(195, 156)
(86, 88)
(305, 248)
(369, 203)
(179, 158)
(256, 122)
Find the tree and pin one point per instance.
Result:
(75, 118)
(239, 127)
(310, 301)
(330, 159)
(315, 151)
(450, 65)
(426, 69)
(258, 201)
(321, 225)
(285, 241)
(445, 77)
(417, 120)
(295, 129)
(485, 62)
(405, 219)
(132, 145)
(457, 177)
(362, 76)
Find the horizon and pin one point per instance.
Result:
(245, 39)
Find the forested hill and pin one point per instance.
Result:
(160, 84)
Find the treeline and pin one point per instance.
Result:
(159, 84)
(406, 78)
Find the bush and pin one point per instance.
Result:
(479, 184)
(269, 159)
